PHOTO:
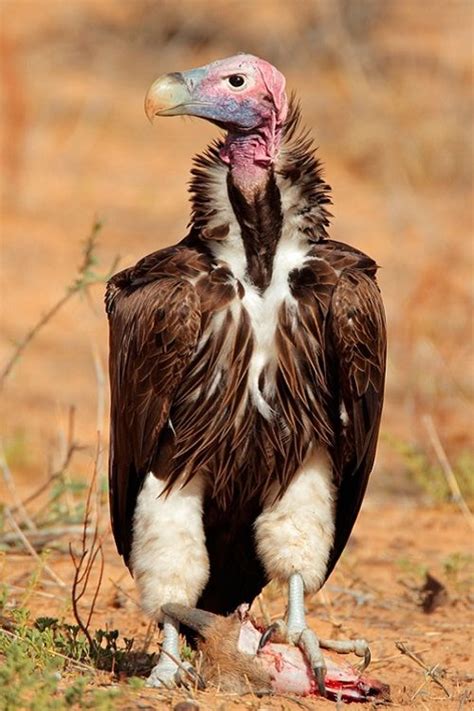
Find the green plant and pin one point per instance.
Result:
(22, 684)
(37, 657)
(410, 567)
(16, 449)
(428, 476)
(65, 503)
(459, 570)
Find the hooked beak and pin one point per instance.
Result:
(168, 96)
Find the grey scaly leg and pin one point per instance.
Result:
(165, 672)
(300, 634)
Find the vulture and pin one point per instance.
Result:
(247, 367)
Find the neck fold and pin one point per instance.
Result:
(241, 153)
(251, 155)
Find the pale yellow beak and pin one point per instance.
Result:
(167, 96)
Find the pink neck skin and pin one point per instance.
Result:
(250, 155)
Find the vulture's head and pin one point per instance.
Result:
(243, 94)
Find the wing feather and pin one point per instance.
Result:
(357, 342)
(153, 334)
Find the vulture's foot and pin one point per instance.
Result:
(170, 670)
(170, 675)
(164, 674)
(295, 631)
(302, 637)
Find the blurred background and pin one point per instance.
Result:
(385, 87)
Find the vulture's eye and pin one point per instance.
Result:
(236, 81)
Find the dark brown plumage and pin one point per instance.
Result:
(172, 415)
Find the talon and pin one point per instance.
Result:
(267, 635)
(190, 677)
(362, 649)
(320, 673)
(367, 657)
(200, 681)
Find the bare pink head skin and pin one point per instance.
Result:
(244, 95)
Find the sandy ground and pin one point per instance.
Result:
(385, 88)
(374, 593)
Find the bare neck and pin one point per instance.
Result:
(250, 156)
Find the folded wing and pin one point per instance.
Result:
(357, 341)
(154, 327)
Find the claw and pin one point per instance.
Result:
(200, 682)
(267, 635)
(189, 677)
(367, 657)
(362, 649)
(320, 673)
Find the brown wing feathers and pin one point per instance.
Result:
(153, 333)
(357, 342)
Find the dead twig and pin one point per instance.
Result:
(339, 702)
(391, 657)
(150, 632)
(327, 603)
(448, 472)
(31, 550)
(465, 696)
(86, 277)
(41, 537)
(360, 597)
(297, 702)
(40, 593)
(11, 486)
(90, 551)
(431, 672)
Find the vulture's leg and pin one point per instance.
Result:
(170, 670)
(166, 671)
(295, 631)
(170, 563)
(294, 536)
